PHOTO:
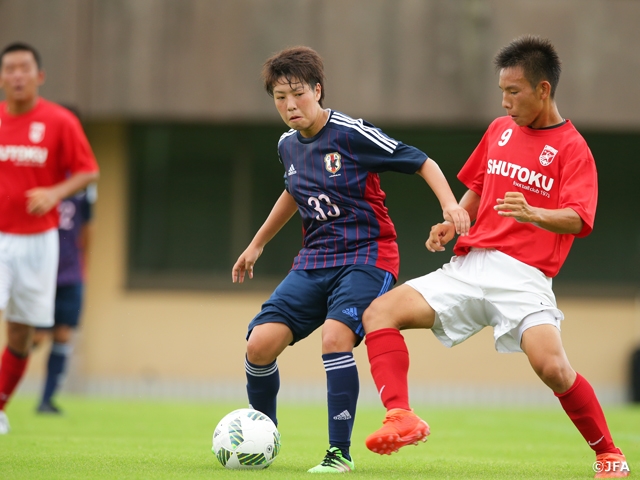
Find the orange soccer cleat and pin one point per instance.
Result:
(400, 427)
(611, 465)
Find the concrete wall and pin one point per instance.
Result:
(192, 344)
(386, 60)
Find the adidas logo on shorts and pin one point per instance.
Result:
(352, 312)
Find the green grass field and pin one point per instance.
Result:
(117, 439)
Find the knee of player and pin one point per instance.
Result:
(553, 371)
(333, 343)
(63, 335)
(258, 353)
(267, 341)
(376, 316)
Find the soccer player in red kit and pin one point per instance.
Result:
(44, 157)
(532, 188)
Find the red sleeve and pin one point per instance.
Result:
(579, 187)
(472, 172)
(77, 154)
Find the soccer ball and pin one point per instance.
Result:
(246, 439)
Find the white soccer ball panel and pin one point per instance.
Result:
(246, 439)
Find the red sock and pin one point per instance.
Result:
(389, 359)
(11, 371)
(584, 410)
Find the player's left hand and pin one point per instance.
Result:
(515, 205)
(41, 200)
(459, 217)
(245, 264)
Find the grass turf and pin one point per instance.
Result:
(117, 439)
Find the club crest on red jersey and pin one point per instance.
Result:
(36, 132)
(547, 155)
(332, 162)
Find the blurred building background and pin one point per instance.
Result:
(171, 99)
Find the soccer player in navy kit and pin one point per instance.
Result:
(74, 237)
(349, 256)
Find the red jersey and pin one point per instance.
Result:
(553, 168)
(39, 148)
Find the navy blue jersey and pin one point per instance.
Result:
(75, 212)
(333, 178)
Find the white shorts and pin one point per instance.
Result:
(488, 288)
(28, 271)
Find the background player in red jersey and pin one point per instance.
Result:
(349, 255)
(44, 157)
(532, 189)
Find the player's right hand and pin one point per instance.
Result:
(245, 264)
(459, 217)
(41, 200)
(440, 235)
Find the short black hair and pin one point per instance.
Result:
(302, 64)
(21, 47)
(536, 56)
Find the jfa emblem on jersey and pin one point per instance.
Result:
(332, 162)
(36, 132)
(547, 155)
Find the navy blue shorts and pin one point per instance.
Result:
(306, 298)
(68, 305)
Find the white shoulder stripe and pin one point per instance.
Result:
(365, 134)
(286, 134)
(374, 131)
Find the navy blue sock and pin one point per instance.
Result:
(263, 383)
(56, 367)
(343, 387)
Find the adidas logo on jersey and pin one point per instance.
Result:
(352, 312)
(292, 170)
(343, 416)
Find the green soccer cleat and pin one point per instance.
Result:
(334, 462)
